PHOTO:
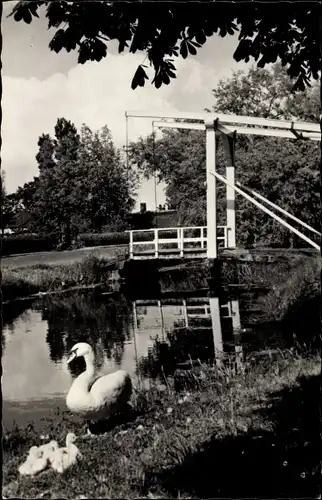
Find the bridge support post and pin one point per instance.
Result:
(229, 145)
(212, 247)
(216, 328)
(185, 313)
(235, 316)
(215, 309)
(211, 190)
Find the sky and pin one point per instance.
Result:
(40, 86)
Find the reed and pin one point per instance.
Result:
(24, 281)
(227, 438)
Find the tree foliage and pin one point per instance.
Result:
(8, 205)
(163, 31)
(286, 171)
(83, 184)
(107, 178)
(268, 94)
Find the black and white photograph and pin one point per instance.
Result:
(161, 249)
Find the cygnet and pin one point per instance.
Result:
(63, 458)
(35, 462)
(48, 449)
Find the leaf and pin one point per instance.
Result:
(27, 17)
(58, 41)
(33, 7)
(122, 45)
(165, 78)
(99, 50)
(25, 12)
(209, 31)
(223, 31)
(56, 13)
(172, 74)
(169, 64)
(196, 44)
(262, 62)
(243, 50)
(18, 14)
(201, 37)
(231, 29)
(299, 84)
(192, 49)
(184, 49)
(139, 78)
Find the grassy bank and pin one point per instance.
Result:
(249, 435)
(24, 281)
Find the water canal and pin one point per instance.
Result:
(37, 336)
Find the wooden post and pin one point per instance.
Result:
(161, 319)
(215, 312)
(131, 244)
(211, 190)
(216, 327)
(229, 145)
(135, 318)
(135, 329)
(202, 236)
(181, 229)
(185, 313)
(178, 238)
(156, 244)
(235, 316)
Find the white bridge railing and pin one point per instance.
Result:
(170, 241)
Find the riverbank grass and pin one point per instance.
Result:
(24, 281)
(251, 435)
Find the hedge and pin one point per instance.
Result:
(121, 238)
(26, 243)
(97, 239)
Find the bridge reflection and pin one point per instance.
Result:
(202, 316)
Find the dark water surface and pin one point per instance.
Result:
(35, 345)
(36, 339)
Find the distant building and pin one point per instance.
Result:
(19, 222)
(148, 219)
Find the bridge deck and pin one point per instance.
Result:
(169, 253)
(191, 243)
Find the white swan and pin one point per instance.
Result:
(63, 458)
(35, 462)
(96, 398)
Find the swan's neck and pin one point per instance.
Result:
(83, 381)
(89, 361)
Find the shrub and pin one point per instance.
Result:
(118, 238)
(25, 243)
(97, 239)
(180, 346)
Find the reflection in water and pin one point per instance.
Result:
(143, 337)
(27, 372)
(10, 313)
(204, 329)
(38, 342)
(105, 326)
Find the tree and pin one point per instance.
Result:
(108, 185)
(55, 199)
(25, 200)
(271, 165)
(267, 94)
(283, 170)
(8, 206)
(166, 30)
(83, 184)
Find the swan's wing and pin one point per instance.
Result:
(112, 389)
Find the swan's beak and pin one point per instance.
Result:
(72, 355)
